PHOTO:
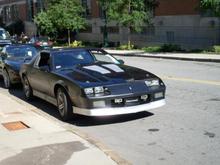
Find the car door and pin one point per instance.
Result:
(38, 77)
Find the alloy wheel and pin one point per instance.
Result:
(64, 105)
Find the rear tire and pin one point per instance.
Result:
(64, 105)
(7, 81)
(28, 92)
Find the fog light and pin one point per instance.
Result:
(118, 101)
(99, 104)
(158, 95)
(144, 97)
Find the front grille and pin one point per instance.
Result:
(130, 101)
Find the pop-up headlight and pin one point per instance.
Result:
(95, 90)
(153, 82)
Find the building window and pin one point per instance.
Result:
(87, 6)
(110, 29)
(14, 12)
(150, 6)
(170, 36)
(39, 5)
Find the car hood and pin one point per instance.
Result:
(15, 62)
(105, 73)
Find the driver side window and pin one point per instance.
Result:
(42, 60)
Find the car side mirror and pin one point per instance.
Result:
(121, 61)
(45, 68)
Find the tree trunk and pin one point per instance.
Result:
(129, 40)
(68, 37)
(129, 27)
(105, 30)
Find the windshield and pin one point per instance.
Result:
(4, 35)
(67, 59)
(101, 56)
(21, 51)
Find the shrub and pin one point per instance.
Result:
(163, 48)
(76, 44)
(216, 49)
(170, 48)
(126, 47)
(152, 49)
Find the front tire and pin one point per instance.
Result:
(7, 81)
(64, 105)
(28, 92)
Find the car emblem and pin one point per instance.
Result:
(130, 88)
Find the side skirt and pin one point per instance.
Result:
(43, 96)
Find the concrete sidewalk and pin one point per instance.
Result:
(37, 140)
(175, 56)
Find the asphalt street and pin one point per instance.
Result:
(185, 131)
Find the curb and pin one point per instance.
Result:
(110, 153)
(93, 141)
(166, 57)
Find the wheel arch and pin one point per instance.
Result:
(60, 84)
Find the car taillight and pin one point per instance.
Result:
(50, 43)
(38, 43)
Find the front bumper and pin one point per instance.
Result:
(14, 76)
(118, 110)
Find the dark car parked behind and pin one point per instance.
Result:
(77, 82)
(11, 59)
(42, 42)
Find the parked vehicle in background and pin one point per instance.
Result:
(5, 38)
(77, 82)
(11, 59)
(43, 42)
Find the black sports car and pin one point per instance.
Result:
(90, 82)
(11, 59)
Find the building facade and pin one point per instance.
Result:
(174, 22)
(22, 11)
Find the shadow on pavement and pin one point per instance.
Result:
(84, 121)
(78, 120)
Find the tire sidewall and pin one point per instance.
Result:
(67, 112)
(6, 75)
(30, 95)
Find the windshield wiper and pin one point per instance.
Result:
(62, 69)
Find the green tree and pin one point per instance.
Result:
(62, 15)
(212, 5)
(44, 23)
(129, 13)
